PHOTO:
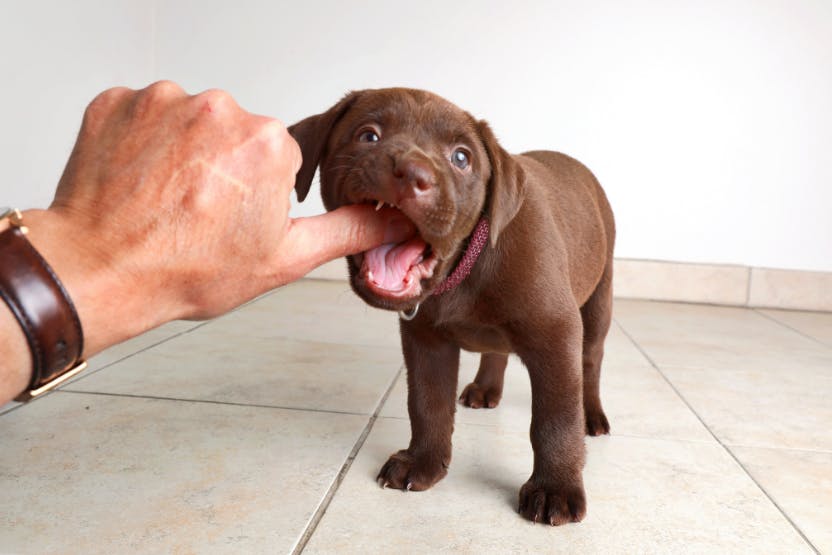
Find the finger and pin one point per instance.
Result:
(310, 242)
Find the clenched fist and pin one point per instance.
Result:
(177, 206)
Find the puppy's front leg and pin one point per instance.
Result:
(432, 371)
(552, 354)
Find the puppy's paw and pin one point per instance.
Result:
(476, 396)
(552, 503)
(597, 423)
(407, 472)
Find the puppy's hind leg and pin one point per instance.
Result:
(487, 388)
(597, 315)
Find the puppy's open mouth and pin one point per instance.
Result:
(395, 271)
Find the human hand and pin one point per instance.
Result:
(176, 206)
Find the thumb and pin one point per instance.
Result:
(351, 229)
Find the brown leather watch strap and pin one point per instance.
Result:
(42, 306)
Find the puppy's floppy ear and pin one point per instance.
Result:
(506, 187)
(312, 134)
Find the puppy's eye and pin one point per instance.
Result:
(460, 159)
(368, 136)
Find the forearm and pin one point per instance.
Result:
(114, 299)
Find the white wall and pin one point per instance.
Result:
(56, 56)
(709, 123)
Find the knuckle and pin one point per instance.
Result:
(279, 141)
(297, 155)
(274, 133)
(156, 94)
(111, 95)
(274, 127)
(163, 90)
(105, 102)
(213, 100)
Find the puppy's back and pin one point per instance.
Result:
(582, 213)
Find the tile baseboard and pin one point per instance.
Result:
(801, 290)
(670, 281)
(721, 284)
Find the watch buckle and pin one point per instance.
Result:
(51, 384)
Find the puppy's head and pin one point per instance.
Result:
(424, 156)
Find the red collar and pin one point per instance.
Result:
(476, 242)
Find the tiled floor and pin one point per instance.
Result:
(262, 432)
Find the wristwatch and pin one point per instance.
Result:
(41, 305)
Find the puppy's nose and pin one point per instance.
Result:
(414, 176)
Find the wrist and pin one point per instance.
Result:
(103, 291)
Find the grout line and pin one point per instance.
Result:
(208, 402)
(4, 412)
(792, 328)
(748, 286)
(197, 325)
(681, 301)
(716, 438)
(776, 448)
(85, 375)
(327, 499)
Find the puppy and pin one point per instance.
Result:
(513, 255)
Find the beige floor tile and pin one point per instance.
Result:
(137, 344)
(326, 311)
(637, 400)
(756, 406)
(644, 496)
(619, 349)
(100, 474)
(801, 483)
(222, 361)
(817, 325)
(701, 336)
(143, 475)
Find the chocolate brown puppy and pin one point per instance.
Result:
(513, 255)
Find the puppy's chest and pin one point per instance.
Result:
(478, 338)
(470, 321)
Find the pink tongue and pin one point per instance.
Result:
(390, 263)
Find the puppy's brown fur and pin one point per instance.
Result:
(541, 288)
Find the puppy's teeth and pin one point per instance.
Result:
(380, 205)
(370, 275)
